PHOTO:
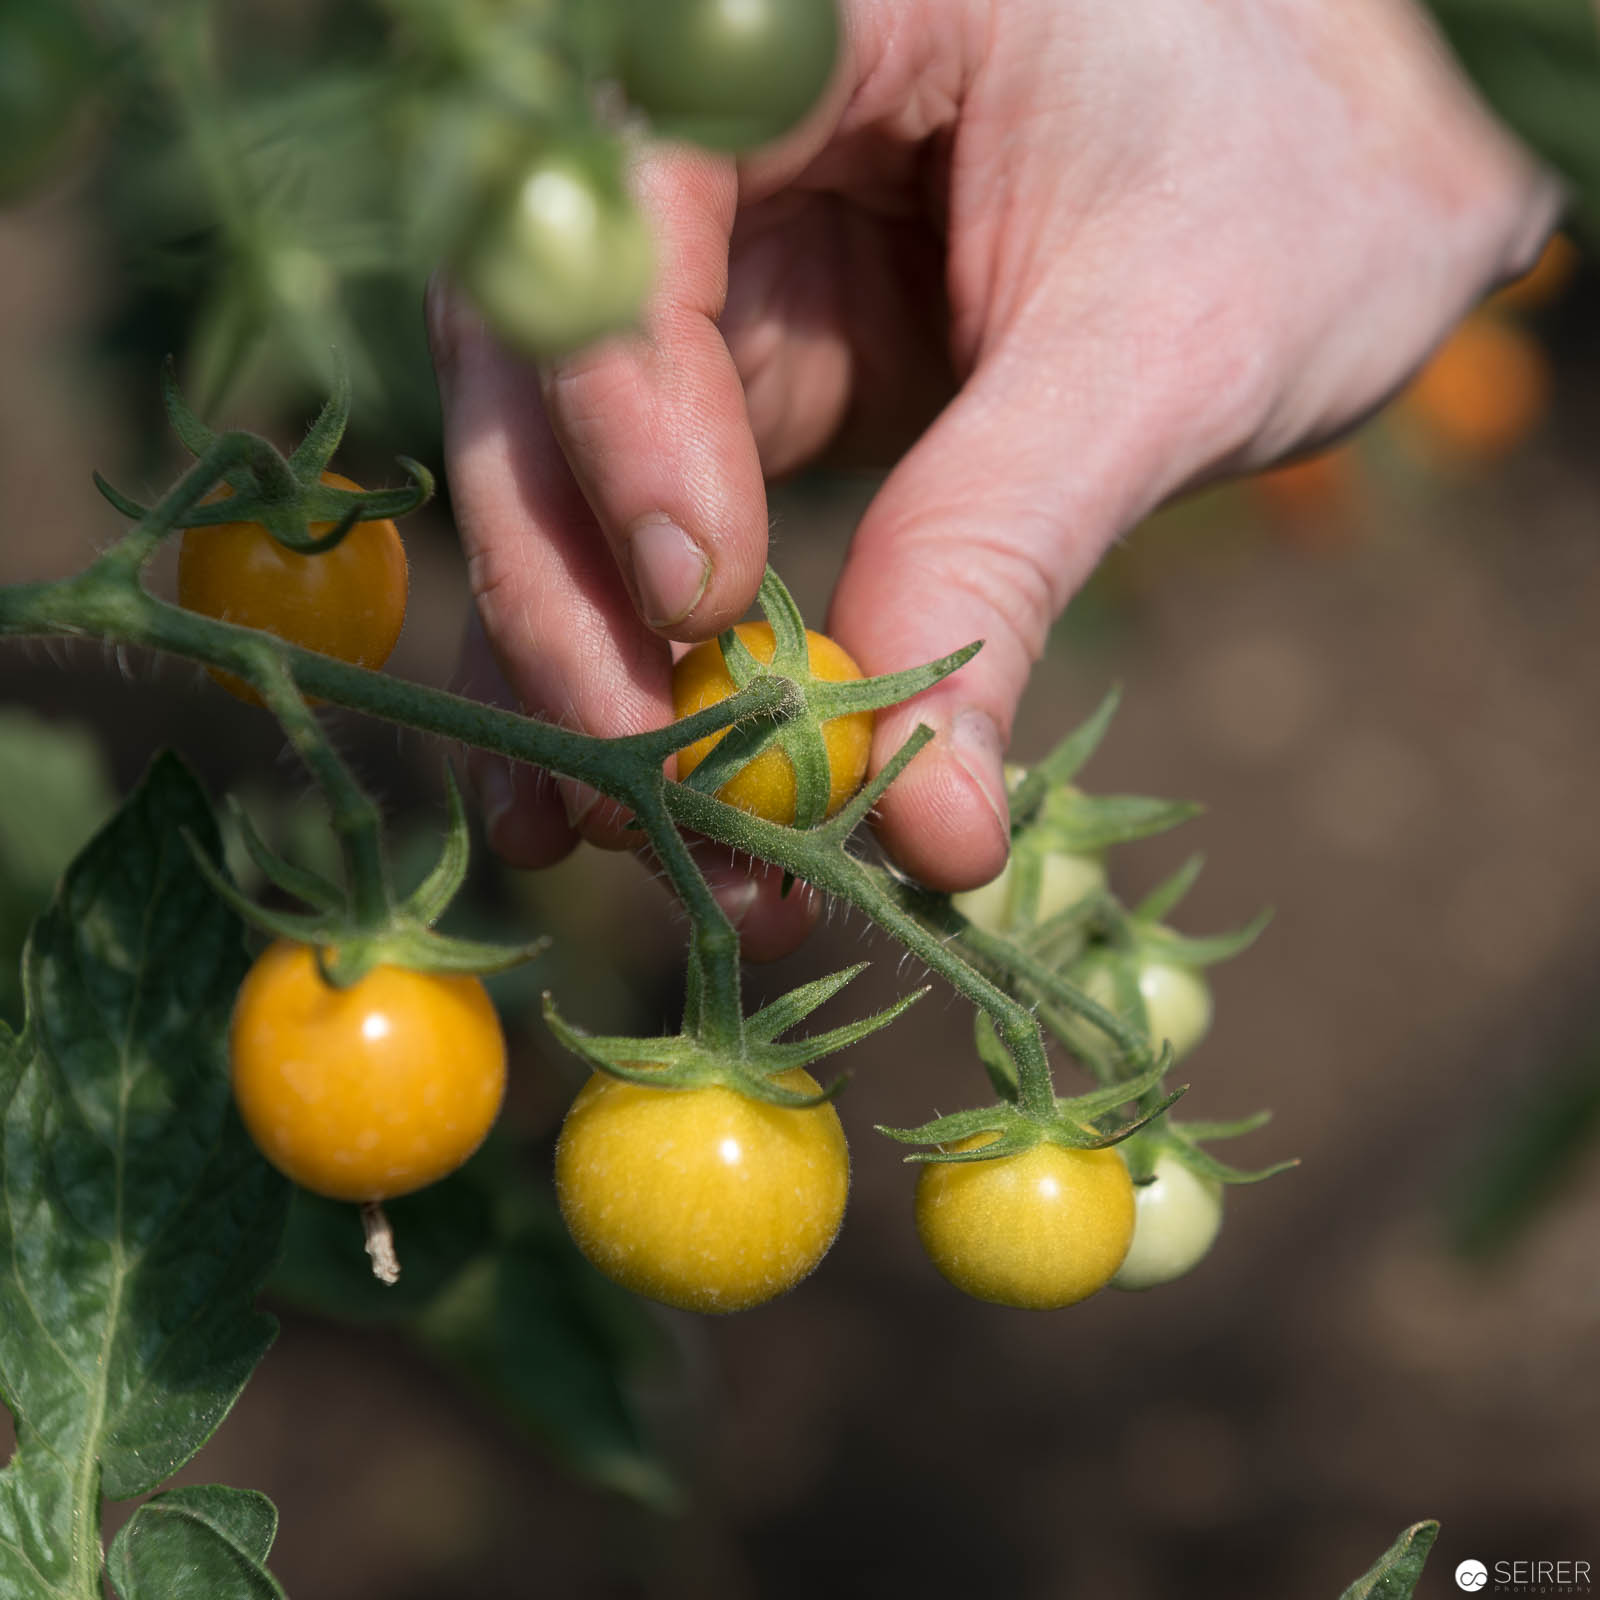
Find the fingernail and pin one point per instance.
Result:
(670, 571)
(577, 800)
(450, 322)
(976, 744)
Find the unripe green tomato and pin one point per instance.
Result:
(566, 259)
(1065, 877)
(1177, 1001)
(729, 74)
(1177, 1217)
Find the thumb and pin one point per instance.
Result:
(984, 531)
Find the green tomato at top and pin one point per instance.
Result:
(1177, 999)
(1177, 1217)
(729, 74)
(564, 259)
(1065, 877)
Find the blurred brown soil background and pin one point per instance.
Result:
(1394, 730)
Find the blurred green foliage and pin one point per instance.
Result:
(1537, 62)
(1536, 1147)
(57, 791)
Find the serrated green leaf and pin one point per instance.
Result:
(201, 1543)
(1396, 1574)
(140, 1220)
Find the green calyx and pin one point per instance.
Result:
(1185, 1142)
(1118, 987)
(284, 494)
(692, 1060)
(1045, 803)
(349, 944)
(1080, 1122)
(796, 728)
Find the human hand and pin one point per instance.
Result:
(1069, 258)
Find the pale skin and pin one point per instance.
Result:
(1056, 261)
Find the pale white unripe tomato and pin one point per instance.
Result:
(1177, 1217)
(1065, 877)
(1177, 1001)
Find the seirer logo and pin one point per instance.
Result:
(1471, 1576)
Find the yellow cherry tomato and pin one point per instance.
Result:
(1040, 1229)
(702, 1198)
(766, 785)
(367, 1092)
(348, 602)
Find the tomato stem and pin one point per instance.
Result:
(357, 818)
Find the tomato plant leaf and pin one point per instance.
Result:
(139, 1220)
(1395, 1575)
(535, 1327)
(556, 1353)
(204, 1542)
